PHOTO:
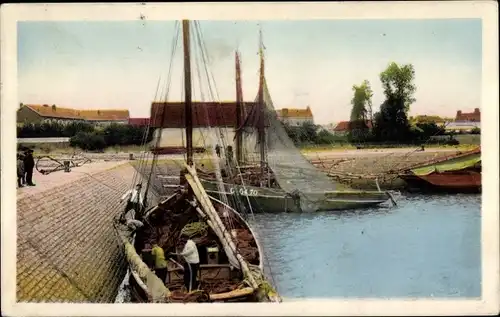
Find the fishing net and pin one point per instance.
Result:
(293, 172)
(195, 228)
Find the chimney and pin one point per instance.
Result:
(476, 110)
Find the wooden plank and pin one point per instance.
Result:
(202, 196)
(233, 294)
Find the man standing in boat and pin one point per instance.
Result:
(191, 263)
(134, 200)
(160, 264)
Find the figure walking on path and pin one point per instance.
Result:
(217, 150)
(29, 164)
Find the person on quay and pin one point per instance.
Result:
(20, 170)
(191, 263)
(134, 200)
(29, 164)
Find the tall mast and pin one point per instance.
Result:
(261, 123)
(188, 114)
(239, 110)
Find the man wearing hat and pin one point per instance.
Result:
(29, 164)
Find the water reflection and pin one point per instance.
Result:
(426, 246)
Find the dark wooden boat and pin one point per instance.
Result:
(460, 173)
(231, 259)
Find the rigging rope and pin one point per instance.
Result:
(143, 162)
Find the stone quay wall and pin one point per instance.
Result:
(67, 250)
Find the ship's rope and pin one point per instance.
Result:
(143, 163)
(201, 43)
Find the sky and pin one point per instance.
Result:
(124, 64)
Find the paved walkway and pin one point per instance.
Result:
(52, 180)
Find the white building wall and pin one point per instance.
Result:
(296, 121)
(202, 137)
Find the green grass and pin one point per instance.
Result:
(309, 149)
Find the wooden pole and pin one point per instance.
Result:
(187, 86)
(239, 110)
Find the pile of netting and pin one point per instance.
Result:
(293, 172)
(195, 229)
(243, 238)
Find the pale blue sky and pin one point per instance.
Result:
(311, 62)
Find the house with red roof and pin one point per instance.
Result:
(295, 116)
(344, 127)
(30, 113)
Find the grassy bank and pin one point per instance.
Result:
(323, 148)
(64, 149)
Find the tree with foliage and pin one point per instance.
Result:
(397, 82)
(475, 130)
(88, 141)
(391, 122)
(361, 111)
(426, 130)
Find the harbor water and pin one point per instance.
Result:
(427, 246)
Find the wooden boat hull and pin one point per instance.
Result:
(274, 200)
(456, 182)
(139, 290)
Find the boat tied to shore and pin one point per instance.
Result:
(231, 257)
(460, 172)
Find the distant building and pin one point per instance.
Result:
(468, 116)
(206, 115)
(465, 122)
(462, 126)
(344, 127)
(295, 117)
(139, 122)
(46, 113)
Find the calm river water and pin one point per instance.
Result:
(426, 246)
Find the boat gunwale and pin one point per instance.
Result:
(325, 199)
(143, 285)
(285, 192)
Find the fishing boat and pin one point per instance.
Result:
(460, 173)
(284, 181)
(231, 258)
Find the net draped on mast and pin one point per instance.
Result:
(292, 170)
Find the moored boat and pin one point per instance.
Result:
(230, 256)
(274, 200)
(460, 173)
